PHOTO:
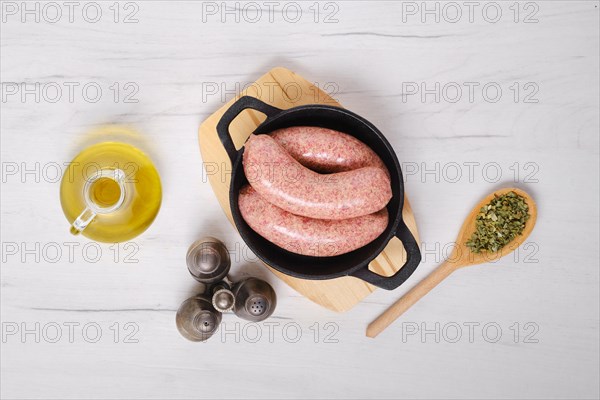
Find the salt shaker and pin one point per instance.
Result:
(255, 299)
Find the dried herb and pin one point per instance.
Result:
(499, 222)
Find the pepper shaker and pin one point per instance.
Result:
(196, 319)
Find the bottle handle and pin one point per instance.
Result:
(82, 221)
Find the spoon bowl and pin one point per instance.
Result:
(462, 256)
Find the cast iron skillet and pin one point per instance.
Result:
(307, 267)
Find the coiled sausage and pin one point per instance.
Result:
(326, 150)
(286, 183)
(308, 236)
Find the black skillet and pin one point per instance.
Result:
(355, 263)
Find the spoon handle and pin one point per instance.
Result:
(410, 298)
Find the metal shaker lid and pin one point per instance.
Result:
(208, 260)
(223, 300)
(196, 319)
(255, 299)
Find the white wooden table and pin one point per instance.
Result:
(471, 100)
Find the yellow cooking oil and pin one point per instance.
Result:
(110, 192)
(105, 192)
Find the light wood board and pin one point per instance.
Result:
(284, 89)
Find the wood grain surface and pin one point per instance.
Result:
(165, 66)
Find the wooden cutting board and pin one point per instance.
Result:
(284, 89)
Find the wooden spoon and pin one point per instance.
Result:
(460, 257)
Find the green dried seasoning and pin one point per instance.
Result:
(499, 222)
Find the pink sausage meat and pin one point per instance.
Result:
(326, 150)
(308, 236)
(286, 183)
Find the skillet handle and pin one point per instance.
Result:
(413, 258)
(236, 108)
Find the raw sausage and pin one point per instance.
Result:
(286, 183)
(326, 150)
(308, 236)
